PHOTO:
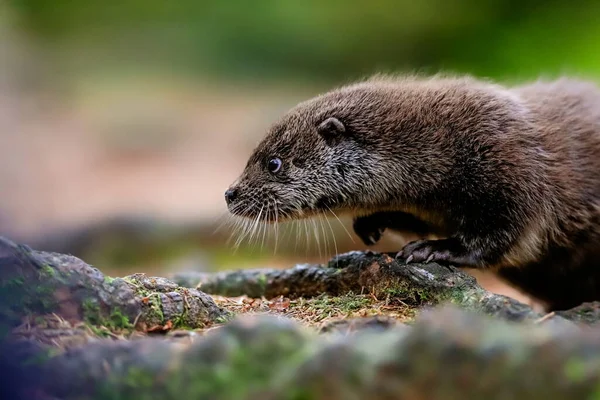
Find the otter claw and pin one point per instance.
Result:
(409, 259)
(429, 259)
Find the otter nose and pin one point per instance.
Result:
(230, 195)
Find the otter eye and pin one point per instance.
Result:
(274, 165)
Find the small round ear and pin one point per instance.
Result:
(331, 127)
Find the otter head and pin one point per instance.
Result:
(376, 145)
(325, 155)
(299, 169)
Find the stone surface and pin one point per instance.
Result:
(34, 283)
(447, 354)
(378, 273)
(464, 343)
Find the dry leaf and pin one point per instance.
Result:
(280, 304)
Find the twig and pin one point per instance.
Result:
(544, 318)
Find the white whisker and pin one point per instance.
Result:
(333, 236)
(342, 224)
(316, 235)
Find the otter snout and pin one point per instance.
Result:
(230, 195)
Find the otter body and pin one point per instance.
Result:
(509, 178)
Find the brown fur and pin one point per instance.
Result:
(509, 177)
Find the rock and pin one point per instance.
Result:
(353, 325)
(34, 284)
(415, 284)
(447, 354)
(587, 313)
(464, 343)
(451, 354)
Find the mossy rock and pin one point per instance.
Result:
(35, 283)
(446, 354)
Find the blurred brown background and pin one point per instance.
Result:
(122, 124)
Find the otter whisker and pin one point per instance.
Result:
(264, 225)
(236, 229)
(332, 235)
(255, 225)
(297, 225)
(306, 237)
(342, 224)
(316, 235)
(325, 238)
(276, 226)
(249, 228)
(241, 229)
(225, 219)
(230, 220)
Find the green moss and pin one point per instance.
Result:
(16, 282)
(96, 330)
(411, 295)
(154, 313)
(575, 370)
(262, 282)
(240, 373)
(91, 312)
(222, 319)
(20, 299)
(418, 296)
(93, 316)
(117, 320)
(48, 271)
(346, 303)
(130, 279)
(236, 365)
(181, 321)
(246, 365)
(136, 378)
(45, 298)
(108, 280)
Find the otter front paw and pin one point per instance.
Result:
(446, 251)
(368, 230)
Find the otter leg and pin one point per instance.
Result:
(370, 228)
(478, 235)
(448, 251)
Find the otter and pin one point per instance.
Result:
(506, 177)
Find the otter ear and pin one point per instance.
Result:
(331, 128)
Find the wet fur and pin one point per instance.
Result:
(509, 177)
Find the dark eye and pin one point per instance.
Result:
(274, 165)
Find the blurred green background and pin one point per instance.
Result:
(121, 124)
